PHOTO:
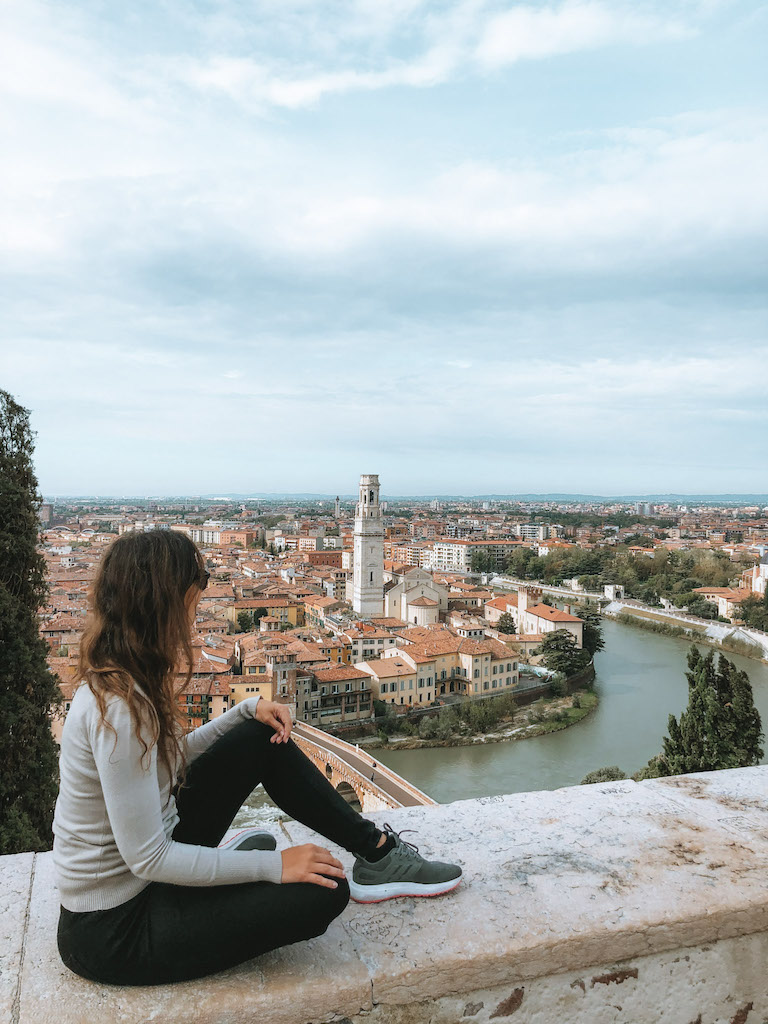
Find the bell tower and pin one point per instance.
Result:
(368, 570)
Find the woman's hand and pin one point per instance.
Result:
(276, 715)
(310, 863)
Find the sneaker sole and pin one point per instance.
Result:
(391, 890)
(238, 837)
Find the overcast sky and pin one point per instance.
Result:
(473, 246)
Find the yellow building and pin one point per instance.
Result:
(286, 612)
(256, 685)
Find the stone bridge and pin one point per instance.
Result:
(356, 774)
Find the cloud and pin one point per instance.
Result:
(462, 37)
(527, 32)
(192, 228)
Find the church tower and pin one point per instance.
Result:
(368, 576)
(337, 512)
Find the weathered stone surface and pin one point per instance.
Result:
(725, 983)
(310, 981)
(574, 903)
(560, 880)
(732, 800)
(15, 885)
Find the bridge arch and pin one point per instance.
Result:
(350, 795)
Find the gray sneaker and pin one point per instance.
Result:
(401, 872)
(249, 839)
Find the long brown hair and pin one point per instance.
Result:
(138, 631)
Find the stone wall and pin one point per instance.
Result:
(619, 903)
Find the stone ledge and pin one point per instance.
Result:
(605, 881)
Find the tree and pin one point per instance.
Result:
(29, 691)
(506, 624)
(592, 632)
(258, 615)
(482, 561)
(611, 774)
(720, 728)
(753, 611)
(244, 621)
(561, 653)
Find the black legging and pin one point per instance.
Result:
(173, 933)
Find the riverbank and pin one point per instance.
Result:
(545, 715)
(646, 619)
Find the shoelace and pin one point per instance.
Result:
(412, 847)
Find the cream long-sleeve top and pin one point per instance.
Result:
(115, 812)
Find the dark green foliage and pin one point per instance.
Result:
(754, 612)
(561, 653)
(670, 574)
(611, 774)
(697, 605)
(557, 685)
(244, 621)
(482, 561)
(28, 690)
(592, 633)
(428, 727)
(506, 624)
(721, 726)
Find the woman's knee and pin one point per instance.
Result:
(329, 903)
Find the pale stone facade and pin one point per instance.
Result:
(368, 572)
(405, 599)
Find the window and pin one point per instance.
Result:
(494, 670)
(485, 685)
(476, 674)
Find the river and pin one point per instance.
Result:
(640, 677)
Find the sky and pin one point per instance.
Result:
(473, 246)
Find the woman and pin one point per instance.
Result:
(147, 894)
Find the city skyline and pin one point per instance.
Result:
(517, 245)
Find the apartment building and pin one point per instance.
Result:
(455, 555)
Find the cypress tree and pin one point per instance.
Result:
(721, 726)
(748, 732)
(28, 690)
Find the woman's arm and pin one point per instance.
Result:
(132, 797)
